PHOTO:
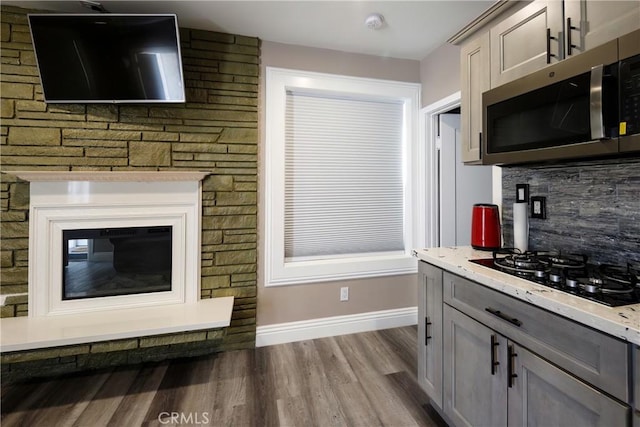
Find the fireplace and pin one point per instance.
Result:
(102, 241)
(102, 262)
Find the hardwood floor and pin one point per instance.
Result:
(365, 379)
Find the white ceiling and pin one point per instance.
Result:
(412, 28)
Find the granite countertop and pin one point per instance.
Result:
(621, 322)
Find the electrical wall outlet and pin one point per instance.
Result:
(522, 193)
(344, 294)
(539, 207)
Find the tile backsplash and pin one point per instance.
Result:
(592, 208)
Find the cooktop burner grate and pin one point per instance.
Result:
(611, 285)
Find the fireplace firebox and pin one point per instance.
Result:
(116, 261)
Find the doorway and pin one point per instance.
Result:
(451, 187)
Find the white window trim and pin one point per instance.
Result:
(277, 270)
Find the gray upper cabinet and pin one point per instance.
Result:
(592, 23)
(526, 41)
(430, 331)
(548, 31)
(475, 79)
(541, 33)
(541, 394)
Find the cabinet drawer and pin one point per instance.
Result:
(593, 356)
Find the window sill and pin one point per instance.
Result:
(30, 333)
(331, 270)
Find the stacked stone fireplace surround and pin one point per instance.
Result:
(215, 131)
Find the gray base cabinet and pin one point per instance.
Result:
(430, 331)
(474, 374)
(504, 362)
(636, 372)
(540, 394)
(492, 381)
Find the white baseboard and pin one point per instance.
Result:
(282, 333)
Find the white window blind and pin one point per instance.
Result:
(344, 191)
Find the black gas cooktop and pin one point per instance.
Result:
(612, 285)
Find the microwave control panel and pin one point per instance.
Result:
(630, 94)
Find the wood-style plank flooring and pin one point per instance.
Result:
(366, 379)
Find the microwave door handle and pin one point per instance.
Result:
(595, 103)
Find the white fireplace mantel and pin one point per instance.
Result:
(62, 200)
(109, 176)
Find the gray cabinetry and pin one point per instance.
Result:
(547, 31)
(540, 394)
(492, 381)
(593, 356)
(503, 361)
(541, 33)
(475, 79)
(591, 23)
(475, 392)
(430, 331)
(636, 381)
(526, 41)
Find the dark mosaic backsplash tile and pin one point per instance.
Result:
(592, 208)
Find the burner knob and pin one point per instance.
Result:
(592, 288)
(540, 274)
(555, 277)
(572, 283)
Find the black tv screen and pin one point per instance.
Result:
(108, 58)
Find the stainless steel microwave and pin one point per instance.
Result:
(585, 106)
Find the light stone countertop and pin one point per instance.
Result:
(621, 322)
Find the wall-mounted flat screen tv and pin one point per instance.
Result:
(108, 58)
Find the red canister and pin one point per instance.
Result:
(485, 227)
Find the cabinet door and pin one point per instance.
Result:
(430, 331)
(475, 391)
(592, 23)
(526, 41)
(636, 382)
(475, 80)
(543, 395)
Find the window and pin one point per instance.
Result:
(338, 171)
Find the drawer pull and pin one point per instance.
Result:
(494, 362)
(510, 374)
(503, 316)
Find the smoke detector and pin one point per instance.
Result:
(374, 21)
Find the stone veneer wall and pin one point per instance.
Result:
(216, 130)
(593, 207)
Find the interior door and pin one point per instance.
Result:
(461, 186)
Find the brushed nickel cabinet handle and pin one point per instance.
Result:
(595, 102)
